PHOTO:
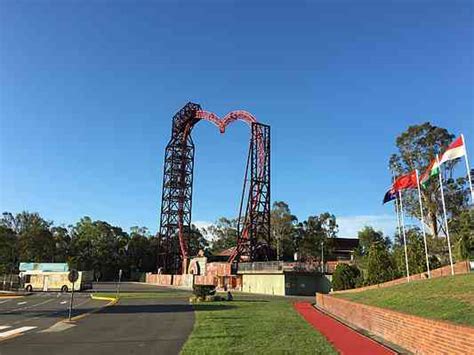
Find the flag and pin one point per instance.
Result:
(431, 170)
(455, 150)
(407, 181)
(390, 195)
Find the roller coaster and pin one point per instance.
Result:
(176, 201)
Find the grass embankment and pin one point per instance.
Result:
(446, 298)
(254, 326)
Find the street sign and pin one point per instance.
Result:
(73, 275)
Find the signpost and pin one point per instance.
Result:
(72, 277)
(118, 283)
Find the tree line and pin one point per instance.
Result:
(87, 245)
(104, 248)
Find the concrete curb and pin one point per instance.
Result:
(112, 301)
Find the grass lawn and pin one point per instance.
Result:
(253, 325)
(446, 298)
(146, 295)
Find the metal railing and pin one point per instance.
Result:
(9, 282)
(281, 266)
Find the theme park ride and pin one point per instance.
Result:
(176, 202)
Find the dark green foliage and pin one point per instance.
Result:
(316, 233)
(416, 253)
(462, 229)
(367, 237)
(380, 266)
(345, 277)
(8, 250)
(201, 291)
(33, 236)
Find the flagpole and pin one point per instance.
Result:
(423, 224)
(445, 216)
(404, 235)
(398, 217)
(396, 208)
(467, 167)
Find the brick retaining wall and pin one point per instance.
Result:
(159, 279)
(462, 267)
(416, 334)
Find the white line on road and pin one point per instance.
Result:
(63, 302)
(15, 331)
(4, 301)
(4, 327)
(28, 307)
(20, 303)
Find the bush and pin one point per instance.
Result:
(380, 265)
(202, 291)
(345, 277)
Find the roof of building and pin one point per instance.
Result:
(29, 266)
(345, 243)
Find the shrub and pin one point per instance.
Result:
(345, 277)
(201, 291)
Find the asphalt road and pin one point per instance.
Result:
(132, 326)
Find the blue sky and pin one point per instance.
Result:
(88, 89)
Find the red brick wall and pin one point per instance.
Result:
(205, 280)
(461, 267)
(162, 280)
(218, 269)
(416, 334)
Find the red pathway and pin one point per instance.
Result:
(344, 339)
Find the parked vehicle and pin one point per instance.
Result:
(35, 280)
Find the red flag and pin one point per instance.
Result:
(407, 181)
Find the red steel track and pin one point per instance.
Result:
(222, 124)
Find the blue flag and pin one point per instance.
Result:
(390, 195)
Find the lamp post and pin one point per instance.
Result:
(322, 256)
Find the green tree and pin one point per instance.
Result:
(282, 230)
(415, 252)
(99, 246)
(223, 234)
(62, 242)
(345, 277)
(35, 240)
(197, 242)
(462, 231)
(8, 249)
(380, 266)
(316, 233)
(417, 147)
(367, 237)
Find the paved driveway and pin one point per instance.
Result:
(133, 326)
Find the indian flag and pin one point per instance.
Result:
(432, 170)
(455, 150)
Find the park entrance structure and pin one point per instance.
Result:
(176, 200)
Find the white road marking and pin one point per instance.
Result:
(15, 331)
(4, 301)
(20, 303)
(28, 307)
(4, 327)
(63, 302)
